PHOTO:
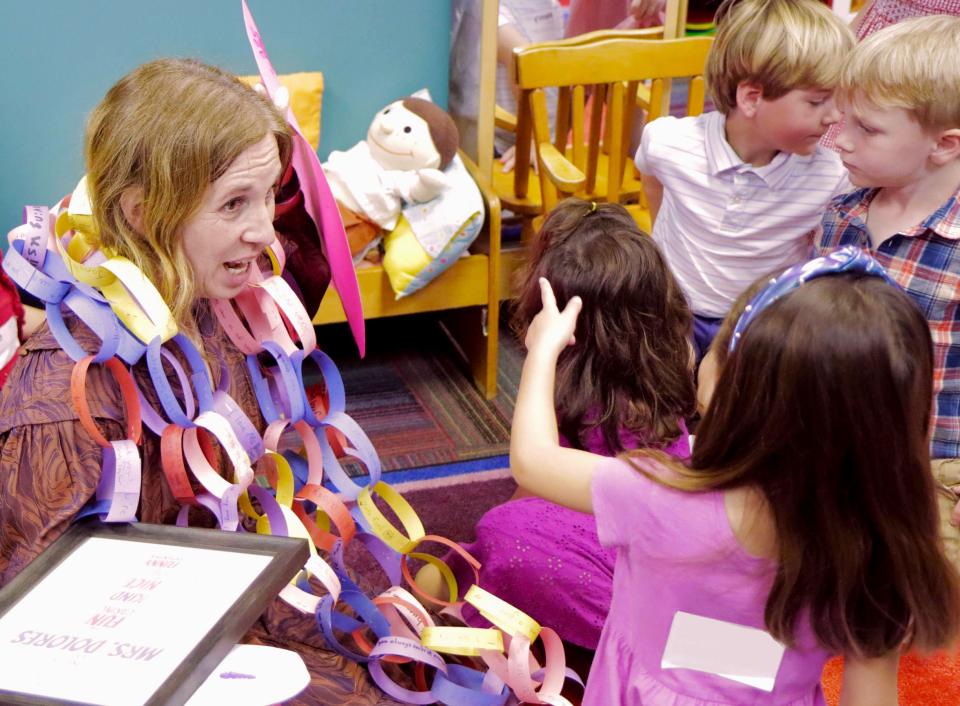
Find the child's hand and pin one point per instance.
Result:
(552, 330)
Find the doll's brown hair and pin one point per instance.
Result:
(443, 131)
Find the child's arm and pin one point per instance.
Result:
(870, 682)
(653, 190)
(538, 462)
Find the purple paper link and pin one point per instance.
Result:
(360, 519)
(247, 434)
(278, 391)
(333, 381)
(359, 441)
(151, 417)
(403, 647)
(335, 474)
(270, 506)
(161, 384)
(388, 559)
(461, 685)
(38, 282)
(120, 481)
(226, 517)
(98, 317)
(189, 406)
(224, 384)
(569, 673)
(36, 232)
(55, 267)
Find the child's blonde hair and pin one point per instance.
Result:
(779, 44)
(912, 65)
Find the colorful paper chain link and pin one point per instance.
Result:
(283, 470)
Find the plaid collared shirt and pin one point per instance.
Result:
(925, 261)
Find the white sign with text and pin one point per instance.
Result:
(111, 622)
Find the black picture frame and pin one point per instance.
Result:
(288, 556)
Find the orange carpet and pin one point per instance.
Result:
(924, 681)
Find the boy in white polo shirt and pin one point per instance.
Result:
(738, 192)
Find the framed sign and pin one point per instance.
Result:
(134, 613)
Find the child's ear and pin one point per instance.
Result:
(749, 95)
(947, 148)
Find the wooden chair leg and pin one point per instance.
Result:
(476, 331)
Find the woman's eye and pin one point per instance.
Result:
(233, 204)
(817, 103)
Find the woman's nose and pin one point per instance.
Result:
(260, 229)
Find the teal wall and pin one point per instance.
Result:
(60, 57)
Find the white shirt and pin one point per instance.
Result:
(723, 223)
(535, 20)
(358, 181)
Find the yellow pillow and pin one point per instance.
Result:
(306, 97)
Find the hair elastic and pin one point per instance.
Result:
(847, 259)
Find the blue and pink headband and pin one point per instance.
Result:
(843, 260)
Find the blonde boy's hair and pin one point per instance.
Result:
(915, 65)
(170, 128)
(779, 44)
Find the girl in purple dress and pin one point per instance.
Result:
(628, 384)
(804, 524)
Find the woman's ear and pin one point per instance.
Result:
(131, 203)
(749, 95)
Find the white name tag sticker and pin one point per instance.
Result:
(746, 655)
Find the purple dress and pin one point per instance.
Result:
(546, 560)
(677, 552)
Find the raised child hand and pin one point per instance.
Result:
(552, 330)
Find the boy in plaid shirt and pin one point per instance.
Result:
(900, 90)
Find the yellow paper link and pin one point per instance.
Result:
(80, 247)
(137, 302)
(246, 507)
(284, 487)
(295, 527)
(275, 263)
(444, 570)
(466, 642)
(94, 276)
(509, 619)
(381, 525)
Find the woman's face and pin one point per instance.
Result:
(234, 222)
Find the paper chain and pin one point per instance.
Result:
(284, 469)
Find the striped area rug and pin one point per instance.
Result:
(413, 395)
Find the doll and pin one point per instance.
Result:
(408, 143)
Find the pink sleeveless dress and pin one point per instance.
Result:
(547, 560)
(677, 552)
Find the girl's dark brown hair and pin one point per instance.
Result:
(824, 407)
(630, 368)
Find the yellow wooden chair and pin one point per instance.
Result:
(466, 294)
(602, 79)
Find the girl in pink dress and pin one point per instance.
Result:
(628, 385)
(804, 524)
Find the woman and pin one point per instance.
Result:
(183, 165)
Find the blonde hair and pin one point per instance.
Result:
(911, 65)
(169, 128)
(779, 44)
